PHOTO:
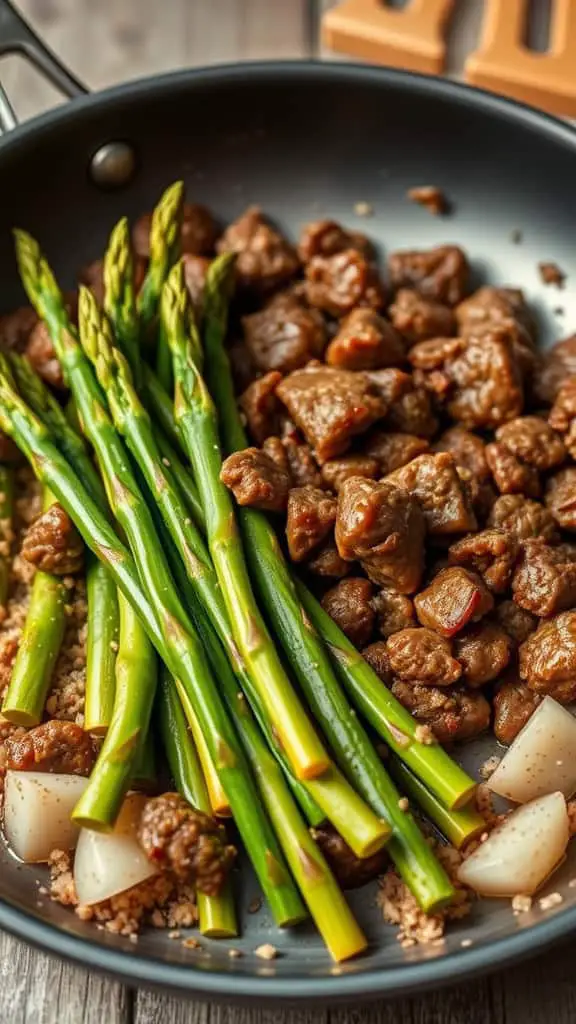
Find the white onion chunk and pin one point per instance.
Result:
(542, 757)
(37, 809)
(107, 863)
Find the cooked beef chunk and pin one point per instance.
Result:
(490, 306)
(483, 651)
(517, 622)
(560, 498)
(16, 328)
(241, 365)
(177, 837)
(420, 656)
(411, 411)
(199, 231)
(434, 482)
(265, 260)
(512, 476)
(303, 468)
(327, 237)
(467, 449)
(365, 341)
(349, 603)
(477, 378)
(532, 440)
(285, 335)
(195, 272)
(490, 553)
(275, 450)
(513, 705)
(54, 746)
(41, 354)
(261, 407)
(418, 318)
(330, 406)
(481, 496)
(559, 363)
(376, 655)
(563, 415)
(311, 518)
(256, 480)
(351, 872)
(395, 611)
(336, 284)
(454, 598)
(548, 658)
(523, 518)
(336, 471)
(545, 579)
(382, 527)
(328, 563)
(453, 714)
(52, 543)
(440, 274)
(393, 450)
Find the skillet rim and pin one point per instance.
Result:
(129, 967)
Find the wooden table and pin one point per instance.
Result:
(107, 41)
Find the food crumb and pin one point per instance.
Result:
(572, 883)
(559, 311)
(363, 209)
(465, 943)
(191, 943)
(423, 734)
(404, 803)
(521, 904)
(266, 951)
(133, 938)
(550, 273)
(516, 236)
(165, 461)
(489, 767)
(429, 196)
(174, 934)
(234, 953)
(114, 645)
(553, 900)
(255, 905)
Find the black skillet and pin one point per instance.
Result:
(303, 140)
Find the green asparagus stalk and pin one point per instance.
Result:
(196, 415)
(217, 797)
(112, 774)
(6, 531)
(458, 827)
(39, 647)
(217, 914)
(119, 297)
(145, 772)
(165, 232)
(182, 479)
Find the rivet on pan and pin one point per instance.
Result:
(113, 165)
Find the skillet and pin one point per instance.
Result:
(303, 140)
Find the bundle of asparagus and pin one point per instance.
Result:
(182, 578)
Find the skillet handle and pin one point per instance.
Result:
(16, 36)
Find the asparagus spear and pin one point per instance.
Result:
(217, 797)
(39, 648)
(119, 297)
(6, 533)
(160, 613)
(457, 826)
(217, 915)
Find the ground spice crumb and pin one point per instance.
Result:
(553, 900)
(484, 837)
(429, 196)
(423, 734)
(266, 952)
(550, 273)
(521, 904)
(43, 890)
(489, 767)
(255, 905)
(363, 209)
(174, 935)
(404, 803)
(133, 938)
(465, 943)
(191, 944)
(234, 953)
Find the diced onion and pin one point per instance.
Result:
(522, 852)
(107, 863)
(37, 809)
(541, 759)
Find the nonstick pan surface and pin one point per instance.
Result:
(303, 140)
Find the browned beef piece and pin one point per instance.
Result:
(241, 365)
(560, 498)
(383, 528)
(52, 543)
(285, 335)
(523, 518)
(327, 237)
(409, 407)
(377, 656)
(303, 468)
(563, 415)
(349, 603)
(532, 440)
(483, 651)
(351, 872)
(481, 496)
(477, 378)
(199, 231)
(420, 656)
(328, 563)
(255, 479)
(418, 318)
(440, 274)
(395, 611)
(177, 837)
(336, 471)
(453, 714)
(545, 579)
(261, 407)
(513, 705)
(548, 658)
(195, 271)
(336, 284)
(434, 482)
(276, 451)
(511, 475)
(330, 406)
(54, 746)
(454, 598)
(393, 450)
(40, 353)
(558, 365)
(489, 306)
(311, 518)
(265, 260)
(517, 622)
(366, 341)
(491, 553)
(16, 328)
(467, 449)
